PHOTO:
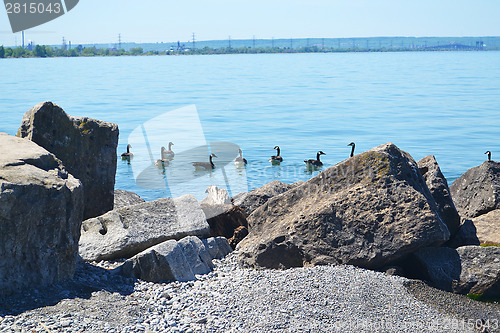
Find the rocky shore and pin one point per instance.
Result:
(360, 247)
(327, 298)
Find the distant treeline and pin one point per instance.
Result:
(43, 51)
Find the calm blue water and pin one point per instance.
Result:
(441, 103)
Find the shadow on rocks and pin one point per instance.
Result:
(87, 280)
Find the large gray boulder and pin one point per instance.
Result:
(124, 198)
(172, 260)
(488, 227)
(480, 271)
(368, 210)
(41, 208)
(466, 270)
(252, 200)
(160, 263)
(477, 191)
(124, 232)
(87, 148)
(437, 184)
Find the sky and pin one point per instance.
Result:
(149, 21)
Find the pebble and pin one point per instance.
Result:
(231, 299)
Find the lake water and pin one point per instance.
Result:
(441, 103)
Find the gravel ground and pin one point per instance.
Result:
(231, 299)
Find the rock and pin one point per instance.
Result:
(488, 227)
(239, 233)
(196, 254)
(87, 148)
(160, 263)
(41, 208)
(124, 198)
(368, 210)
(224, 219)
(124, 232)
(477, 191)
(466, 270)
(172, 260)
(440, 266)
(211, 246)
(224, 248)
(218, 247)
(466, 235)
(438, 186)
(252, 200)
(480, 271)
(216, 196)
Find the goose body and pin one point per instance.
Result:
(162, 162)
(353, 145)
(204, 165)
(239, 161)
(277, 158)
(128, 155)
(489, 155)
(169, 154)
(316, 162)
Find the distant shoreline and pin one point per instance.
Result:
(44, 51)
(256, 46)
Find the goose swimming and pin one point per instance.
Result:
(162, 162)
(239, 161)
(276, 159)
(489, 155)
(169, 154)
(353, 145)
(316, 162)
(205, 165)
(128, 155)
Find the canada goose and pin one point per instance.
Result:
(238, 161)
(169, 154)
(162, 162)
(276, 159)
(205, 165)
(353, 145)
(316, 162)
(489, 155)
(128, 155)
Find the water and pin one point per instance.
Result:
(441, 103)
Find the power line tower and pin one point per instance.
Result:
(119, 41)
(194, 45)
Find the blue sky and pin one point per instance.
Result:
(100, 21)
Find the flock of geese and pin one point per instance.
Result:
(168, 155)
